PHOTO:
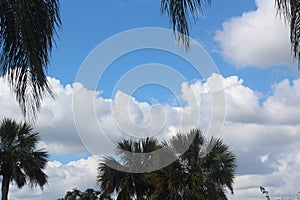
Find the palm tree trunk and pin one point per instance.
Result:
(5, 187)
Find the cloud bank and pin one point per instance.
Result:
(263, 133)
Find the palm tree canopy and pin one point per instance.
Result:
(208, 166)
(19, 158)
(88, 194)
(203, 169)
(27, 29)
(168, 182)
(113, 175)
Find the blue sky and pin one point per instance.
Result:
(250, 47)
(85, 25)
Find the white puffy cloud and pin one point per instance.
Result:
(80, 174)
(256, 38)
(263, 133)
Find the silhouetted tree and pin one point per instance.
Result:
(19, 160)
(202, 171)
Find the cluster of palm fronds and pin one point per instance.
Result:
(20, 161)
(201, 169)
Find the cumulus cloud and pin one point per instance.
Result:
(257, 38)
(282, 183)
(80, 174)
(262, 133)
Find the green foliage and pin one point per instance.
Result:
(19, 160)
(89, 194)
(126, 184)
(27, 29)
(202, 170)
(180, 12)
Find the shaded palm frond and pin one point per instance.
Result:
(180, 13)
(204, 168)
(110, 175)
(18, 176)
(122, 176)
(38, 178)
(208, 166)
(168, 182)
(290, 10)
(220, 164)
(19, 159)
(26, 40)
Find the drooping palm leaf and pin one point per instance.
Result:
(27, 29)
(290, 10)
(220, 163)
(181, 12)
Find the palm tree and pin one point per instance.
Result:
(27, 28)
(203, 171)
(167, 182)
(19, 160)
(88, 194)
(121, 177)
(72, 195)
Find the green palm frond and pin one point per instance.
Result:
(110, 175)
(19, 159)
(204, 168)
(18, 176)
(220, 163)
(27, 29)
(180, 13)
(115, 176)
(168, 181)
(208, 166)
(111, 178)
